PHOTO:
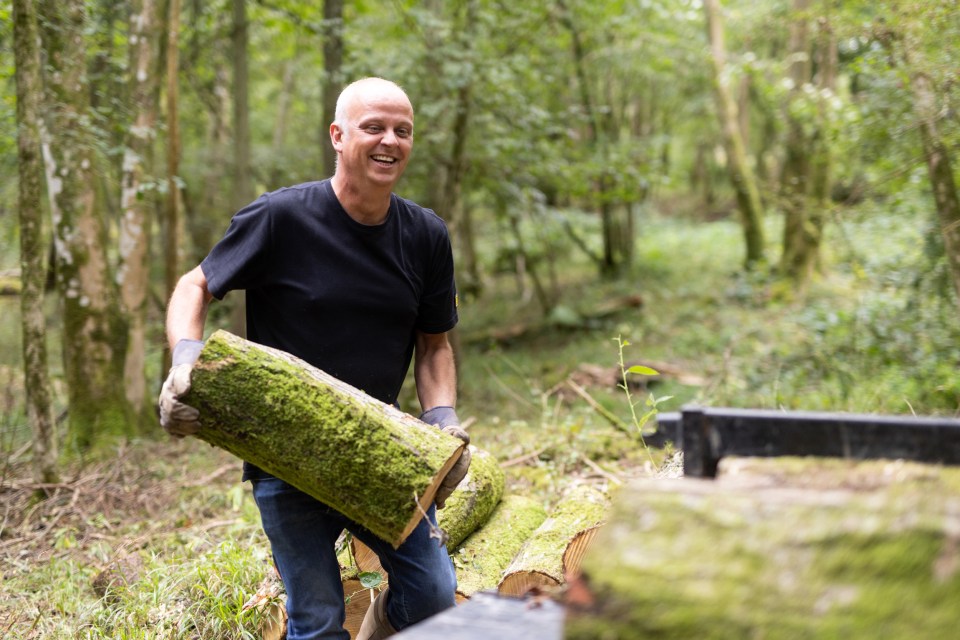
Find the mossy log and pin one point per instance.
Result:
(487, 552)
(859, 550)
(360, 456)
(473, 501)
(540, 562)
(467, 508)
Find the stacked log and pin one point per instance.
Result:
(486, 553)
(553, 551)
(848, 550)
(364, 458)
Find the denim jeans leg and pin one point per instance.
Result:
(421, 575)
(303, 534)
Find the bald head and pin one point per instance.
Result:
(361, 92)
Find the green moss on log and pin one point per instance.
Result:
(540, 561)
(714, 559)
(471, 504)
(486, 553)
(358, 455)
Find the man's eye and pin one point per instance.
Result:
(403, 133)
(374, 129)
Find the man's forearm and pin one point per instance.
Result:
(435, 372)
(187, 309)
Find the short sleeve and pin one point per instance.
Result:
(438, 305)
(238, 260)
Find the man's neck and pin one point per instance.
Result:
(368, 206)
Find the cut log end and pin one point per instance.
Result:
(520, 583)
(573, 554)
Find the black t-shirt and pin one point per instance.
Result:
(346, 297)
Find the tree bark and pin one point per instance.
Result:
(541, 561)
(332, 77)
(487, 552)
(32, 243)
(352, 452)
(94, 328)
(242, 161)
(940, 170)
(467, 508)
(137, 207)
(799, 548)
(173, 238)
(738, 168)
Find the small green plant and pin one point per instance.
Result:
(651, 402)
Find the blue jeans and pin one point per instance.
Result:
(303, 533)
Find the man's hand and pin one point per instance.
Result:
(446, 418)
(177, 418)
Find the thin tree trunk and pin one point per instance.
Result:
(135, 222)
(94, 328)
(940, 170)
(332, 77)
(741, 175)
(242, 175)
(283, 118)
(173, 240)
(32, 243)
(795, 178)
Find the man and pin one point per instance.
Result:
(355, 280)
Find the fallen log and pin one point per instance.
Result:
(540, 562)
(486, 553)
(467, 508)
(840, 550)
(364, 458)
(474, 500)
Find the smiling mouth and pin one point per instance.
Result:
(384, 160)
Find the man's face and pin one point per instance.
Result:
(377, 137)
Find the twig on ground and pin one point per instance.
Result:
(524, 458)
(603, 472)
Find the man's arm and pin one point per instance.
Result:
(186, 315)
(434, 371)
(436, 375)
(187, 309)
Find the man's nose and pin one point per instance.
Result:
(389, 138)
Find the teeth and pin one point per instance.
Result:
(382, 158)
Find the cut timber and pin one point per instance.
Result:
(364, 458)
(790, 548)
(486, 553)
(467, 508)
(540, 562)
(474, 499)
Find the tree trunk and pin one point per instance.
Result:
(173, 238)
(541, 561)
(242, 162)
(795, 175)
(352, 452)
(940, 170)
(487, 552)
(94, 328)
(32, 243)
(332, 77)
(137, 207)
(738, 168)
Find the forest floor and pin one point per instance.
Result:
(168, 524)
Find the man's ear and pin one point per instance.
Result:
(336, 136)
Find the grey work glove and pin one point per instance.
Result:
(446, 418)
(177, 418)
